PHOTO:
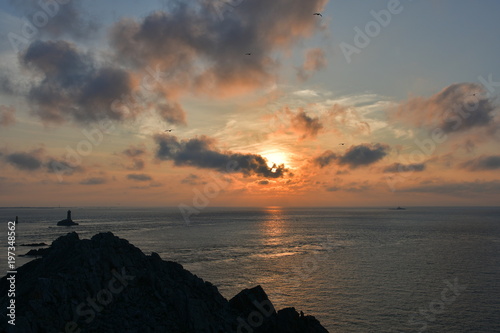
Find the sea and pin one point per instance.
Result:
(423, 269)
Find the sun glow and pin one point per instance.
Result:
(275, 157)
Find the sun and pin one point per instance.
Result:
(275, 157)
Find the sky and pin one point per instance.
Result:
(212, 103)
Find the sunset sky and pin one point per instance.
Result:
(374, 103)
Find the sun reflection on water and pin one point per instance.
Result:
(273, 226)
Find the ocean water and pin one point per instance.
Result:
(356, 269)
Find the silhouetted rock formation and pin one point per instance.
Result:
(256, 314)
(67, 221)
(105, 284)
(34, 244)
(36, 252)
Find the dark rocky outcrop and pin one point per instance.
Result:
(36, 252)
(34, 244)
(256, 314)
(105, 284)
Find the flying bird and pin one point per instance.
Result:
(169, 130)
(249, 53)
(319, 14)
(341, 144)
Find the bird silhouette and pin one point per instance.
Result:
(169, 130)
(319, 14)
(249, 53)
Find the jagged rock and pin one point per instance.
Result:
(34, 244)
(36, 252)
(106, 284)
(256, 314)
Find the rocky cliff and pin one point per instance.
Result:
(106, 284)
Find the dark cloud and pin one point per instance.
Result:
(305, 125)
(134, 151)
(172, 112)
(333, 189)
(355, 156)
(398, 167)
(201, 51)
(139, 177)
(458, 107)
(62, 167)
(25, 161)
(364, 154)
(325, 158)
(263, 182)
(483, 163)
(93, 181)
(62, 20)
(7, 117)
(296, 122)
(357, 187)
(72, 85)
(7, 86)
(193, 180)
(201, 152)
(137, 164)
(37, 160)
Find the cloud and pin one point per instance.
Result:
(201, 152)
(325, 158)
(306, 125)
(344, 119)
(134, 151)
(73, 86)
(306, 93)
(62, 167)
(263, 182)
(203, 53)
(191, 51)
(7, 117)
(7, 85)
(315, 61)
(172, 112)
(36, 159)
(364, 154)
(333, 188)
(398, 167)
(348, 187)
(137, 164)
(457, 108)
(139, 177)
(355, 156)
(64, 20)
(483, 163)
(93, 181)
(25, 161)
(298, 122)
(193, 180)
(460, 189)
